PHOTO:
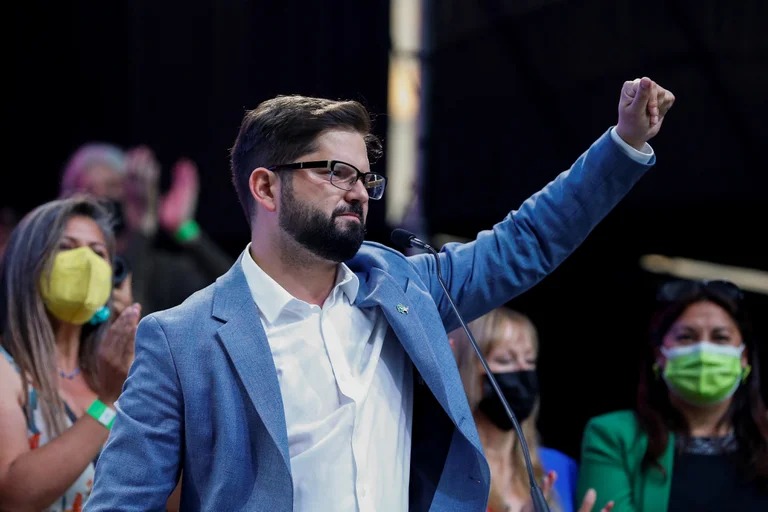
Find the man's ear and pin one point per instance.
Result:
(265, 188)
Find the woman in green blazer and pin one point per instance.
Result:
(697, 439)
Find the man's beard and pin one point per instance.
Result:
(320, 234)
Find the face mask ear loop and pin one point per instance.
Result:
(656, 370)
(745, 373)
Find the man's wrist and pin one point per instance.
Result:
(635, 154)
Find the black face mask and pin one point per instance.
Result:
(520, 389)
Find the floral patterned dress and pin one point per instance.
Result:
(74, 498)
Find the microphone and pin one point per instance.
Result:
(406, 239)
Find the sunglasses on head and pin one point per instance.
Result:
(683, 289)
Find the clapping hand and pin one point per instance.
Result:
(122, 295)
(546, 490)
(142, 188)
(589, 500)
(180, 203)
(586, 505)
(115, 353)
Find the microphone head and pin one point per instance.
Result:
(402, 238)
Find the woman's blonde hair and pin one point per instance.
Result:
(489, 330)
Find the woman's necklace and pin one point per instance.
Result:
(69, 375)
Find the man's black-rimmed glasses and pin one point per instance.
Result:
(341, 175)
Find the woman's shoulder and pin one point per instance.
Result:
(622, 418)
(616, 427)
(553, 456)
(565, 465)
(6, 360)
(5, 355)
(10, 377)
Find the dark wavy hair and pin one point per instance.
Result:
(747, 412)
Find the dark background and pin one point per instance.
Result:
(516, 91)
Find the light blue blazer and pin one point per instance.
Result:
(203, 397)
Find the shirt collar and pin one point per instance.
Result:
(273, 298)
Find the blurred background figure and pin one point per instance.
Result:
(168, 254)
(509, 341)
(698, 436)
(64, 356)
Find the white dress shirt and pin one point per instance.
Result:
(347, 391)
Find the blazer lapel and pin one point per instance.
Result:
(378, 289)
(657, 485)
(243, 337)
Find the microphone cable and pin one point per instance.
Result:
(404, 238)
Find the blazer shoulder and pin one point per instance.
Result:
(621, 417)
(566, 466)
(622, 423)
(377, 255)
(197, 306)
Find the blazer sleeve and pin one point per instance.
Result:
(140, 464)
(606, 450)
(533, 240)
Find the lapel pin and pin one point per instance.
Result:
(402, 309)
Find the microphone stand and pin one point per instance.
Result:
(403, 237)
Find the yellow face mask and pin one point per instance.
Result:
(80, 283)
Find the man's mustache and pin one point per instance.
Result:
(357, 209)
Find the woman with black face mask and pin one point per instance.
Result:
(509, 342)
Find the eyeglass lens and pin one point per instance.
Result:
(344, 176)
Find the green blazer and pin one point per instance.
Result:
(612, 451)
